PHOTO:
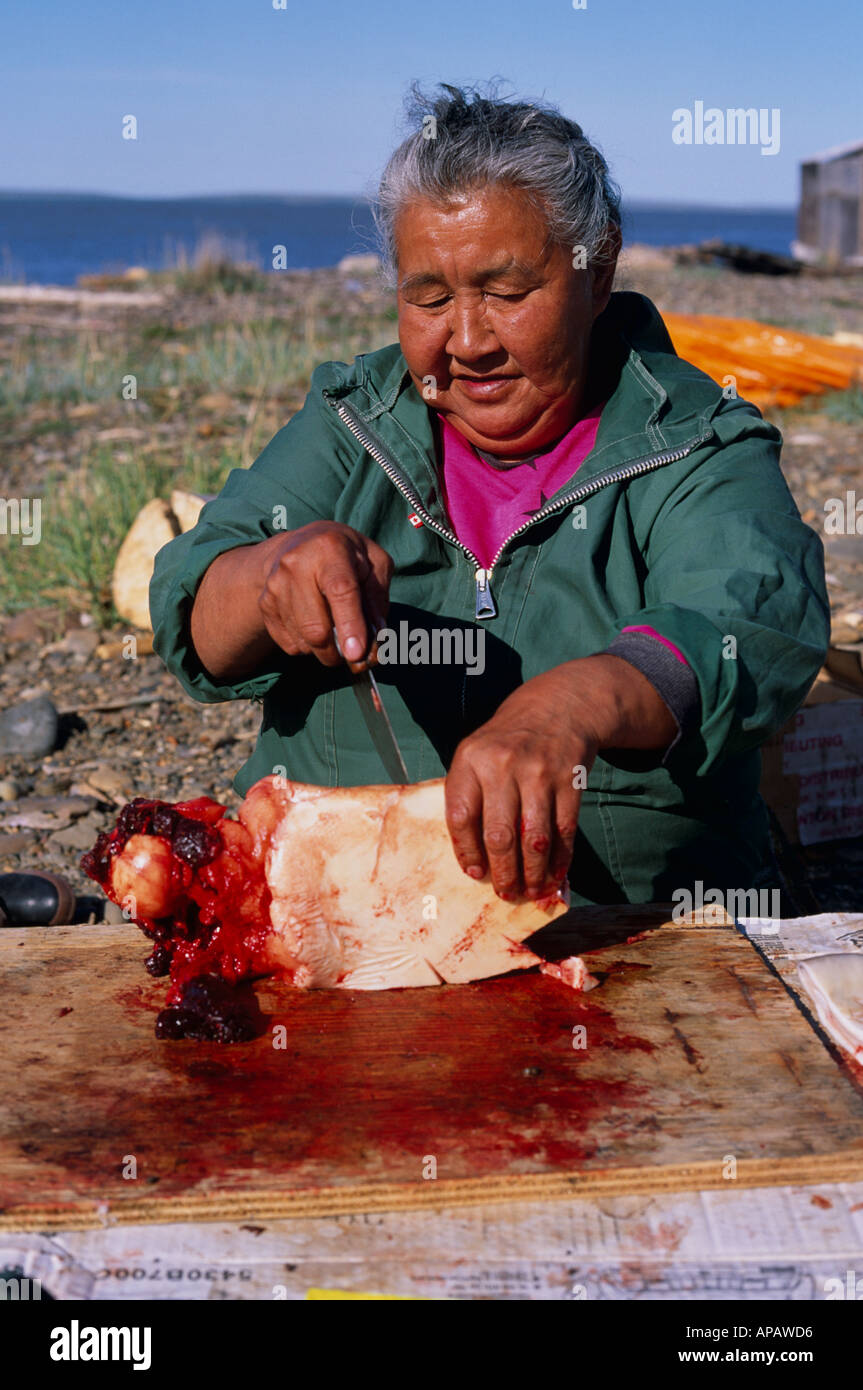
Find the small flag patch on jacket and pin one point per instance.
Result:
(414, 519)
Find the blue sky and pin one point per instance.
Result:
(232, 96)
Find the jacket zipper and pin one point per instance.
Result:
(485, 605)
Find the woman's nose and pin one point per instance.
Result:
(470, 336)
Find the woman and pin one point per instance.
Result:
(533, 468)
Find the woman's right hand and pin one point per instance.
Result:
(326, 578)
(289, 592)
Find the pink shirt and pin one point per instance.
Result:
(486, 504)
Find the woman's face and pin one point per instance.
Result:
(497, 316)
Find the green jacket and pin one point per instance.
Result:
(679, 519)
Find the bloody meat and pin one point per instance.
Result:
(354, 888)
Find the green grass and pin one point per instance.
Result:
(240, 358)
(218, 265)
(221, 277)
(85, 515)
(62, 372)
(92, 491)
(821, 325)
(845, 406)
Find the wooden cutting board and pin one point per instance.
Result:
(698, 1070)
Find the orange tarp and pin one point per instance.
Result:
(770, 365)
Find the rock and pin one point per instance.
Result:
(217, 402)
(805, 438)
(153, 527)
(29, 730)
(367, 263)
(156, 524)
(35, 820)
(82, 835)
(31, 625)
(17, 844)
(189, 794)
(842, 634)
(9, 790)
(187, 507)
(81, 642)
(109, 781)
(86, 789)
(52, 781)
(687, 254)
(71, 806)
(112, 913)
(747, 259)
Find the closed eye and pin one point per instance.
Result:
(490, 294)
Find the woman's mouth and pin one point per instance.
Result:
(484, 387)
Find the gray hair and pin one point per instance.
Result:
(463, 140)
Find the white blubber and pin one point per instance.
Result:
(367, 892)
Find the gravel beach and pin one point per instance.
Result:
(125, 728)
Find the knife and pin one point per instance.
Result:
(377, 721)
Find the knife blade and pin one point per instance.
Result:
(377, 722)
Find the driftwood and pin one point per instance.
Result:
(747, 259)
(106, 706)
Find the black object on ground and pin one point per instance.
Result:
(35, 900)
(748, 259)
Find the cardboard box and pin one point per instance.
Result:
(812, 769)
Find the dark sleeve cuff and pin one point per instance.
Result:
(674, 681)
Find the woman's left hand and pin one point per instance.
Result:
(514, 789)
